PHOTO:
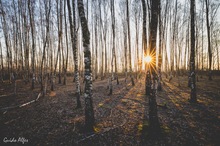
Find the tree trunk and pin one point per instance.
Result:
(6, 37)
(96, 47)
(160, 49)
(89, 113)
(147, 79)
(31, 12)
(113, 48)
(125, 51)
(67, 46)
(74, 48)
(26, 48)
(153, 118)
(43, 61)
(192, 54)
(217, 48)
(129, 45)
(2, 64)
(61, 42)
(209, 39)
(20, 36)
(101, 39)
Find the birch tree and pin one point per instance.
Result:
(192, 54)
(153, 118)
(2, 64)
(113, 47)
(46, 41)
(74, 48)
(129, 44)
(67, 46)
(7, 40)
(144, 44)
(31, 17)
(209, 38)
(89, 113)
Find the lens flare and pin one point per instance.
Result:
(148, 59)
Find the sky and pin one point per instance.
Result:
(132, 27)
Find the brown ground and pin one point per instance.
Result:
(121, 119)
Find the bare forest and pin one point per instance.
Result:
(110, 72)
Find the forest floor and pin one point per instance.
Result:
(121, 118)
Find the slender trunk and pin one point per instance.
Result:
(26, 47)
(20, 36)
(113, 47)
(144, 28)
(165, 34)
(105, 41)
(101, 40)
(137, 36)
(125, 52)
(106, 60)
(153, 117)
(61, 42)
(217, 49)
(31, 11)
(51, 68)
(6, 37)
(192, 54)
(2, 64)
(173, 48)
(160, 49)
(129, 37)
(209, 40)
(113, 33)
(129, 45)
(96, 48)
(197, 44)
(147, 79)
(73, 34)
(202, 39)
(89, 113)
(67, 46)
(15, 37)
(43, 61)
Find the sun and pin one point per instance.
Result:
(147, 59)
